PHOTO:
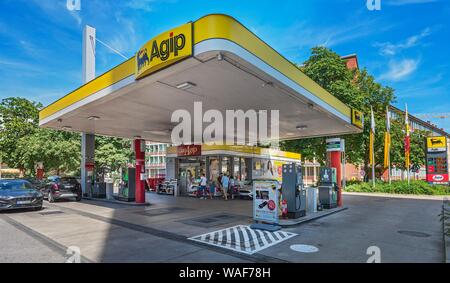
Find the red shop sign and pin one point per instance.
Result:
(437, 178)
(189, 150)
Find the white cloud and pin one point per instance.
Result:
(399, 70)
(390, 49)
(408, 2)
(145, 5)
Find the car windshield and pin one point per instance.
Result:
(15, 185)
(68, 180)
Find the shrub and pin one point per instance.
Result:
(400, 187)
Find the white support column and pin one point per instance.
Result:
(88, 140)
(88, 54)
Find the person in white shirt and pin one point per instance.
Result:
(203, 182)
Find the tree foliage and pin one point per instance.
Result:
(23, 143)
(19, 118)
(359, 90)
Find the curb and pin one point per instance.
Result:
(116, 201)
(446, 239)
(301, 221)
(398, 196)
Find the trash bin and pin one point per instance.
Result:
(99, 190)
(109, 191)
(311, 199)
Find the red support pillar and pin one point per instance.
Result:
(139, 150)
(335, 162)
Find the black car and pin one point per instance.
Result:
(58, 188)
(19, 194)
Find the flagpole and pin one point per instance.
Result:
(373, 167)
(389, 166)
(372, 146)
(388, 119)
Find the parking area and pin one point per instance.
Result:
(405, 230)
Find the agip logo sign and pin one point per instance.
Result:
(357, 118)
(164, 50)
(437, 144)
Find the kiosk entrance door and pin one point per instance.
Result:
(189, 172)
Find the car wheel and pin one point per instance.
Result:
(38, 208)
(78, 198)
(50, 197)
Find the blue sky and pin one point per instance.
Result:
(404, 45)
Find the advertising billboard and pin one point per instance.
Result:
(265, 201)
(437, 160)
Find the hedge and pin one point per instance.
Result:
(400, 187)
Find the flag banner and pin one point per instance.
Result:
(407, 139)
(372, 139)
(407, 151)
(371, 145)
(387, 140)
(387, 147)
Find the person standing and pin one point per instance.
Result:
(203, 183)
(232, 186)
(225, 185)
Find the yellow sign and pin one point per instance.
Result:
(164, 50)
(357, 118)
(436, 143)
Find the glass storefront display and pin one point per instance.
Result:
(226, 165)
(214, 168)
(189, 172)
(244, 163)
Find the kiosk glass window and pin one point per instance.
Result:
(213, 168)
(236, 168)
(226, 165)
(244, 168)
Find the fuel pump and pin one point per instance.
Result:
(328, 187)
(127, 190)
(293, 190)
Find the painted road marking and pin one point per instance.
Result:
(243, 239)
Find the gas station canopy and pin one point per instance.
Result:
(215, 60)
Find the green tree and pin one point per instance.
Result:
(59, 151)
(358, 90)
(417, 146)
(19, 118)
(111, 153)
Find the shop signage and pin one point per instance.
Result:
(89, 166)
(335, 144)
(265, 201)
(164, 50)
(437, 168)
(357, 118)
(436, 144)
(189, 150)
(437, 178)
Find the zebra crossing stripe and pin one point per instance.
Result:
(246, 239)
(253, 235)
(243, 239)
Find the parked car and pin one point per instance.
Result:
(36, 183)
(19, 194)
(58, 188)
(246, 189)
